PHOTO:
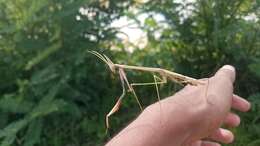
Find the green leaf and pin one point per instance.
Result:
(255, 68)
(13, 128)
(72, 109)
(150, 22)
(33, 133)
(8, 140)
(43, 55)
(254, 143)
(9, 133)
(15, 105)
(47, 108)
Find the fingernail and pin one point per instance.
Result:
(237, 120)
(248, 106)
(229, 136)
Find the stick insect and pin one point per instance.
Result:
(164, 74)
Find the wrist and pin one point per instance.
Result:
(171, 125)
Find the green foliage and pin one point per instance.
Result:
(47, 74)
(53, 92)
(255, 68)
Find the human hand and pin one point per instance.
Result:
(203, 110)
(191, 117)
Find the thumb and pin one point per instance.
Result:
(222, 87)
(227, 72)
(219, 94)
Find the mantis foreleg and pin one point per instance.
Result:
(118, 103)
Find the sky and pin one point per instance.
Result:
(136, 35)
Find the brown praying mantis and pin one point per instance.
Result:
(165, 75)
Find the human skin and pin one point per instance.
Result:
(191, 117)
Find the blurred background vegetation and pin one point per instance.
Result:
(54, 93)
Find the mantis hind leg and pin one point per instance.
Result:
(157, 81)
(131, 89)
(161, 81)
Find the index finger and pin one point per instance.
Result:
(240, 104)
